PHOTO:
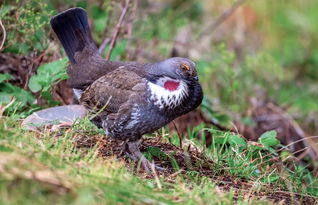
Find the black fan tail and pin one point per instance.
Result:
(72, 29)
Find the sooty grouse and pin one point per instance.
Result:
(131, 98)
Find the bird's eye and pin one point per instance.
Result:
(184, 67)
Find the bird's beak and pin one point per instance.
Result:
(196, 78)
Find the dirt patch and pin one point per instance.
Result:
(177, 161)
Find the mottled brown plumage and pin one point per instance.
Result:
(112, 89)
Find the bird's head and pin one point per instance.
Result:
(171, 72)
(178, 68)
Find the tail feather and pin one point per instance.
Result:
(72, 29)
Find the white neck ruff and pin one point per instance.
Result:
(164, 98)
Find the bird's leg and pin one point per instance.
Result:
(135, 154)
(124, 149)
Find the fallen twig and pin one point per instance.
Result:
(212, 27)
(306, 140)
(4, 35)
(117, 28)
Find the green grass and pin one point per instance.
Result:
(48, 168)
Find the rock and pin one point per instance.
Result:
(54, 115)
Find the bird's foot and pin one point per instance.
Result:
(133, 152)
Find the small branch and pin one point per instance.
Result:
(179, 135)
(212, 27)
(103, 45)
(117, 28)
(130, 53)
(4, 35)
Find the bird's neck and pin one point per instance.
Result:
(167, 93)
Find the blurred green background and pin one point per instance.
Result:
(265, 50)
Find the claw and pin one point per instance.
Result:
(133, 152)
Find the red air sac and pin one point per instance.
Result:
(171, 85)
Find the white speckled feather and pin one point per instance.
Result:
(135, 117)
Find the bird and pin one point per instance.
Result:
(130, 99)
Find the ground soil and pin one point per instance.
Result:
(196, 163)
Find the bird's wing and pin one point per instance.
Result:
(113, 90)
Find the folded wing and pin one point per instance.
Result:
(115, 90)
